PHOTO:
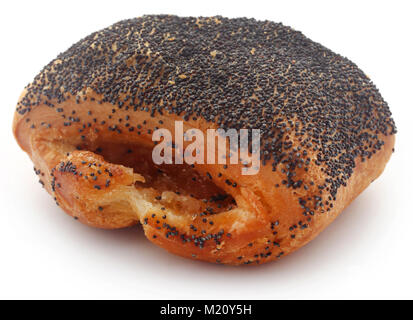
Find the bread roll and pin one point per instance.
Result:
(87, 120)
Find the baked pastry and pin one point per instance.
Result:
(87, 121)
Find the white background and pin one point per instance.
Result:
(365, 253)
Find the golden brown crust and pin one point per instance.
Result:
(269, 209)
(264, 216)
